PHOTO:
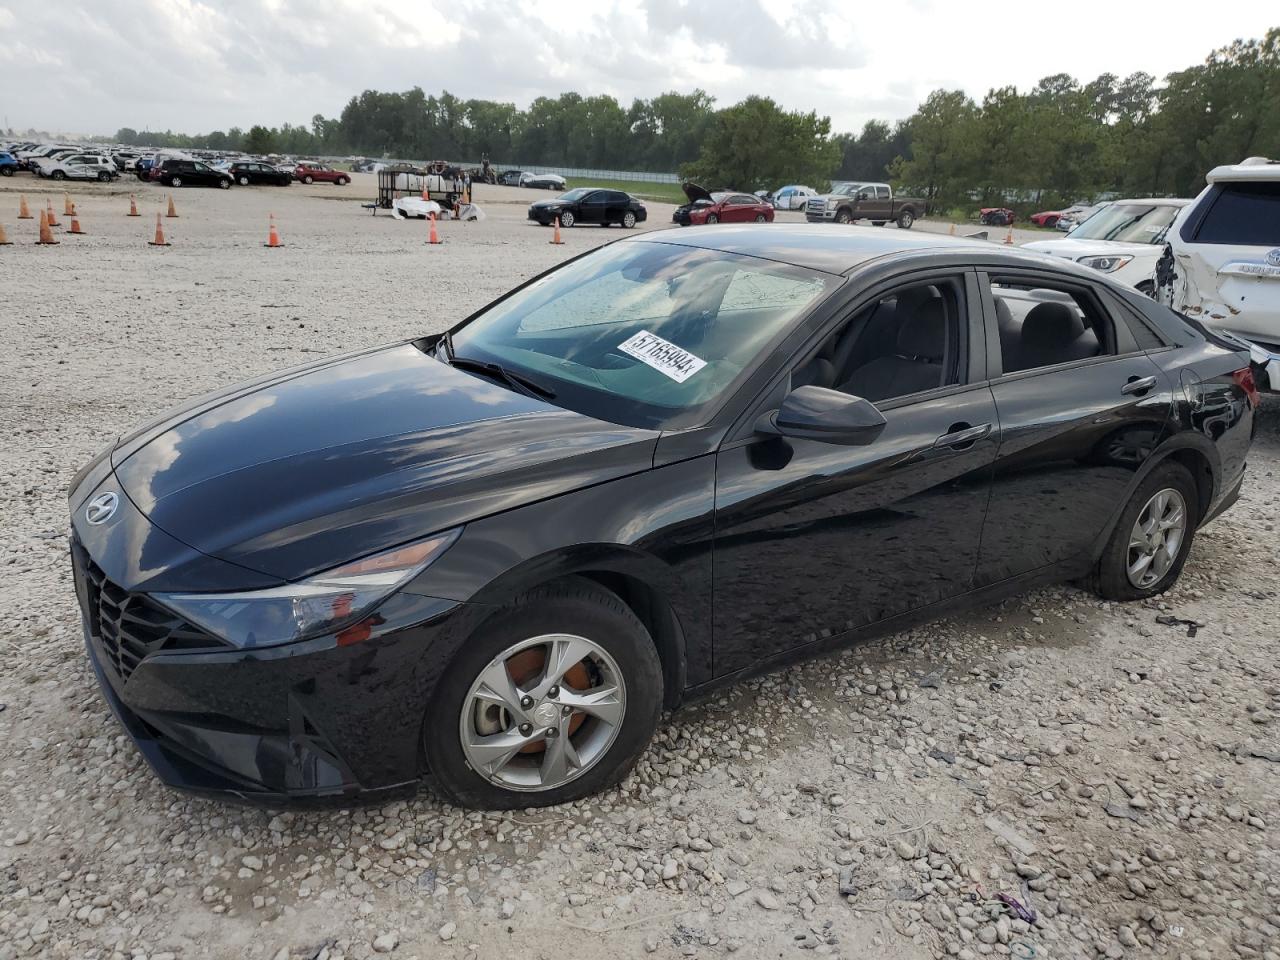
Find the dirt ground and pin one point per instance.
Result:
(1118, 779)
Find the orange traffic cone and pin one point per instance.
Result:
(173, 212)
(133, 207)
(46, 233)
(1008, 237)
(68, 208)
(434, 237)
(4, 238)
(52, 220)
(273, 238)
(159, 241)
(555, 237)
(23, 212)
(75, 223)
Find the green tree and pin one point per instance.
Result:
(757, 145)
(259, 140)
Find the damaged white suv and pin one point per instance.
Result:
(1222, 262)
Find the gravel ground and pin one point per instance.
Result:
(1116, 776)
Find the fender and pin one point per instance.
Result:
(1185, 440)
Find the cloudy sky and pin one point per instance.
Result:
(92, 66)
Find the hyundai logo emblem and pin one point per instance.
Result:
(101, 508)
(1273, 257)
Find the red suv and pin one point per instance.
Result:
(311, 172)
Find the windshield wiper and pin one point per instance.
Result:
(517, 380)
(446, 341)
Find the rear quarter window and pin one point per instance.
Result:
(1243, 213)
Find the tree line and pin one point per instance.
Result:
(1060, 141)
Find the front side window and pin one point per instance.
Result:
(1043, 326)
(1128, 223)
(906, 342)
(646, 334)
(1243, 213)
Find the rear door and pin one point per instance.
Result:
(1227, 258)
(1081, 408)
(882, 206)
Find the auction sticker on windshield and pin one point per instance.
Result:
(663, 355)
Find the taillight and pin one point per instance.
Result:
(1245, 381)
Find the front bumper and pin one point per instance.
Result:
(818, 216)
(313, 723)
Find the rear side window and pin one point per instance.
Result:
(882, 193)
(1243, 213)
(1042, 325)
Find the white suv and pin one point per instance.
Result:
(81, 166)
(1222, 261)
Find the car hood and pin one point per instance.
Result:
(695, 192)
(557, 202)
(1075, 249)
(317, 466)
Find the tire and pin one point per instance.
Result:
(58, 175)
(1112, 578)
(843, 216)
(577, 611)
(905, 219)
(628, 220)
(243, 180)
(567, 219)
(104, 177)
(761, 218)
(308, 180)
(175, 181)
(342, 181)
(1049, 222)
(712, 219)
(6, 171)
(224, 183)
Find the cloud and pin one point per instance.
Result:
(88, 66)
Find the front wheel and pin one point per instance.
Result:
(844, 217)
(6, 171)
(761, 218)
(308, 180)
(1147, 288)
(104, 177)
(906, 219)
(1152, 538)
(554, 698)
(567, 219)
(58, 175)
(712, 219)
(628, 220)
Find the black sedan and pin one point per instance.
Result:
(490, 558)
(249, 172)
(590, 205)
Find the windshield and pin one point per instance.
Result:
(575, 194)
(1127, 222)
(643, 333)
(847, 189)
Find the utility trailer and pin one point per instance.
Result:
(442, 182)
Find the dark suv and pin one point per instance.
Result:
(192, 173)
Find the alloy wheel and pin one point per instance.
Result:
(1156, 538)
(542, 712)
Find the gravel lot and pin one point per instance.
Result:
(1116, 775)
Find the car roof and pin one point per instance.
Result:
(828, 248)
(1155, 201)
(1254, 168)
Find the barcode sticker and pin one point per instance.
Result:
(663, 355)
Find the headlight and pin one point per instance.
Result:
(1104, 264)
(324, 603)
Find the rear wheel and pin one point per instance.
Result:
(175, 181)
(553, 698)
(342, 181)
(224, 183)
(1152, 538)
(242, 180)
(905, 219)
(6, 171)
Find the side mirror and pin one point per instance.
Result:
(829, 416)
(862, 195)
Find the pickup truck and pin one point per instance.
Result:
(864, 201)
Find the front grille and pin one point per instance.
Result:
(816, 205)
(130, 626)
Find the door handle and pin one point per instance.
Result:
(961, 435)
(1138, 385)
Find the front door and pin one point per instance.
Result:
(815, 539)
(1081, 409)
